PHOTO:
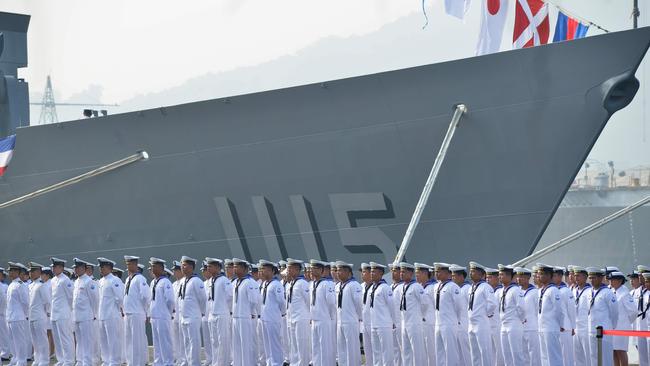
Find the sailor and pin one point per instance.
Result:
(258, 343)
(448, 307)
(282, 268)
(349, 314)
(5, 351)
(205, 327)
(396, 286)
(424, 276)
(512, 315)
(192, 307)
(411, 317)
(569, 315)
(481, 305)
(383, 317)
(626, 315)
(322, 304)
(109, 315)
(46, 277)
(137, 297)
(492, 279)
(85, 303)
(61, 315)
(230, 269)
(551, 317)
(531, 353)
(39, 308)
(219, 303)
(603, 311)
(640, 295)
(119, 273)
(458, 275)
(330, 273)
(90, 271)
(582, 291)
(70, 273)
(245, 311)
(366, 327)
(17, 313)
(298, 315)
(569, 278)
(273, 310)
(179, 346)
(161, 311)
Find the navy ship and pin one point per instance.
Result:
(331, 170)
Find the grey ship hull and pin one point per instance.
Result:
(330, 170)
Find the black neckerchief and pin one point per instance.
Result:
(579, 294)
(342, 287)
(313, 293)
(212, 281)
(402, 305)
(438, 291)
(128, 283)
(184, 286)
(374, 289)
(541, 295)
(394, 286)
(365, 292)
(593, 296)
(293, 283)
(503, 295)
(640, 304)
(471, 295)
(429, 282)
(153, 291)
(266, 285)
(239, 282)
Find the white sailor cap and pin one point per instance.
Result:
(617, 274)
(89, 264)
(491, 271)
(204, 265)
(57, 261)
(254, 267)
(18, 266)
(569, 268)
(523, 271)
(440, 266)
(131, 258)
(475, 265)
(67, 271)
(610, 269)
(342, 264)
(317, 263)
(422, 266)
(176, 265)
(169, 272)
(265, 263)
(282, 263)
(544, 267)
(506, 268)
(634, 274)
(330, 264)
(79, 262)
(210, 260)
(141, 266)
(377, 265)
(34, 266)
(118, 271)
(154, 260)
(364, 266)
(393, 266)
(578, 269)
(559, 270)
(641, 269)
(295, 262)
(2, 270)
(102, 261)
(227, 262)
(595, 271)
(405, 265)
(186, 259)
(239, 262)
(47, 270)
(307, 267)
(457, 268)
(646, 275)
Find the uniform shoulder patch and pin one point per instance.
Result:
(457, 291)
(69, 285)
(92, 287)
(117, 285)
(613, 298)
(557, 297)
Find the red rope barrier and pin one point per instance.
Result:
(627, 333)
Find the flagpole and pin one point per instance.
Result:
(635, 13)
(580, 19)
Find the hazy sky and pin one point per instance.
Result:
(136, 52)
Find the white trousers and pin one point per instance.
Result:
(447, 346)
(84, 332)
(550, 348)
(135, 337)
(285, 340)
(220, 339)
(397, 345)
(497, 351)
(300, 354)
(429, 335)
(5, 351)
(532, 354)
(163, 347)
(38, 331)
(191, 332)
(323, 352)
(20, 342)
(367, 344)
(383, 346)
(243, 331)
(261, 355)
(63, 342)
(512, 345)
(480, 344)
(348, 347)
(96, 346)
(608, 350)
(566, 342)
(464, 354)
(642, 342)
(179, 348)
(122, 337)
(413, 345)
(581, 348)
(110, 342)
(271, 339)
(205, 335)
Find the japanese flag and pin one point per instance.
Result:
(493, 20)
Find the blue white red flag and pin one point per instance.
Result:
(6, 152)
(568, 28)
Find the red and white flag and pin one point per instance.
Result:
(493, 21)
(457, 8)
(531, 24)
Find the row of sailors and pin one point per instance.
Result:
(428, 315)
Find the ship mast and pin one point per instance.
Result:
(635, 13)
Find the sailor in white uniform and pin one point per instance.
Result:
(603, 311)
(273, 310)
(425, 277)
(137, 297)
(90, 271)
(640, 295)
(17, 313)
(349, 309)
(5, 351)
(245, 311)
(111, 297)
(192, 307)
(282, 270)
(397, 288)
(219, 304)
(160, 312)
(323, 316)
(298, 314)
(205, 328)
(551, 317)
(530, 294)
(481, 304)
(458, 275)
(61, 315)
(411, 317)
(512, 314)
(383, 317)
(581, 294)
(366, 327)
(448, 306)
(179, 347)
(626, 315)
(492, 279)
(40, 298)
(569, 311)
(85, 301)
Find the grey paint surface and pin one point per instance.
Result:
(333, 169)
